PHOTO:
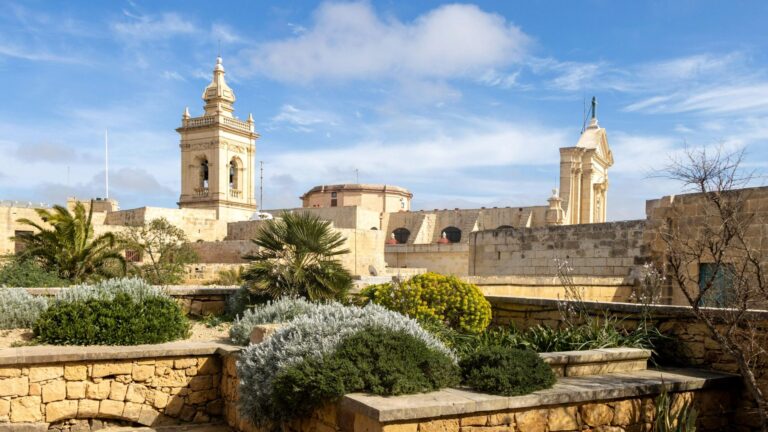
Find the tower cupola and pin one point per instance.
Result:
(218, 96)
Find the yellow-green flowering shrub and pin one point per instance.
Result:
(433, 296)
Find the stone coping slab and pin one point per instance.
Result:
(57, 354)
(568, 390)
(633, 308)
(173, 290)
(595, 356)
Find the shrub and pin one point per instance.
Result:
(282, 310)
(432, 296)
(241, 300)
(135, 288)
(17, 272)
(313, 334)
(373, 360)
(19, 309)
(506, 371)
(114, 312)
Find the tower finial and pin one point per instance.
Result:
(594, 107)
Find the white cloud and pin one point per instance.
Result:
(173, 75)
(349, 41)
(484, 144)
(726, 99)
(300, 119)
(146, 27)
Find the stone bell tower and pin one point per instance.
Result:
(584, 175)
(217, 155)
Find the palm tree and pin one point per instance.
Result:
(297, 257)
(69, 247)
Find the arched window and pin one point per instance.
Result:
(234, 174)
(204, 173)
(453, 234)
(401, 235)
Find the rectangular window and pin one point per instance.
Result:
(19, 246)
(132, 255)
(334, 200)
(720, 280)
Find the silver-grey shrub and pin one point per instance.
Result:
(315, 333)
(278, 311)
(136, 288)
(20, 309)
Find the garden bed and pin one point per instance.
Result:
(200, 331)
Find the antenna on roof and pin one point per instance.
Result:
(219, 54)
(106, 163)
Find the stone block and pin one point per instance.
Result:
(136, 393)
(44, 373)
(26, 409)
(97, 391)
(187, 413)
(5, 410)
(142, 373)
(87, 408)
(184, 363)
(160, 400)
(442, 425)
(117, 391)
(200, 382)
(480, 420)
(531, 421)
(61, 410)
(363, 423)
(111, 408)
(79, 426)
(174, 406)
(10, 372)
(207, 366)
(148, 416)
(35, 389)
(108, 369)
(14, 386)
(24, 427)
(76, 390)
(170, 378)
(54, 391)
(626, 412)
(132, 411)
(596, 414)
(501, 419)
(75, 372)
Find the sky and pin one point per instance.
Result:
(464, 104)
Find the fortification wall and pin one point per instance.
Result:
(450, 259)
(607, 249)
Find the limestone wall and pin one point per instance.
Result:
(223, 252)
(8, 225)
(450, 259)
(595, 288)
(198, 224)
(608, 249)
(76, 389)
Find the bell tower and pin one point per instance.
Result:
(584, 175)
(217, 154)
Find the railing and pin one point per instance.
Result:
(201, 191)
(211, 120)
(235, 193)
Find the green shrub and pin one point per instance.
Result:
(17, 272)
(119, 320)
(433, 296)
(374, 360)
(19, 309)
(506, 371)
(313, 334)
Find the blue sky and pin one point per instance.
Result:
(465, 104)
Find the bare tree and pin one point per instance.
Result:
(715, 243)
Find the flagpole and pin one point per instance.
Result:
(106, 163)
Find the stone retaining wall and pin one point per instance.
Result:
(690, 343)
(67, 388)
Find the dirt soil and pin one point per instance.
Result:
(200, 332)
